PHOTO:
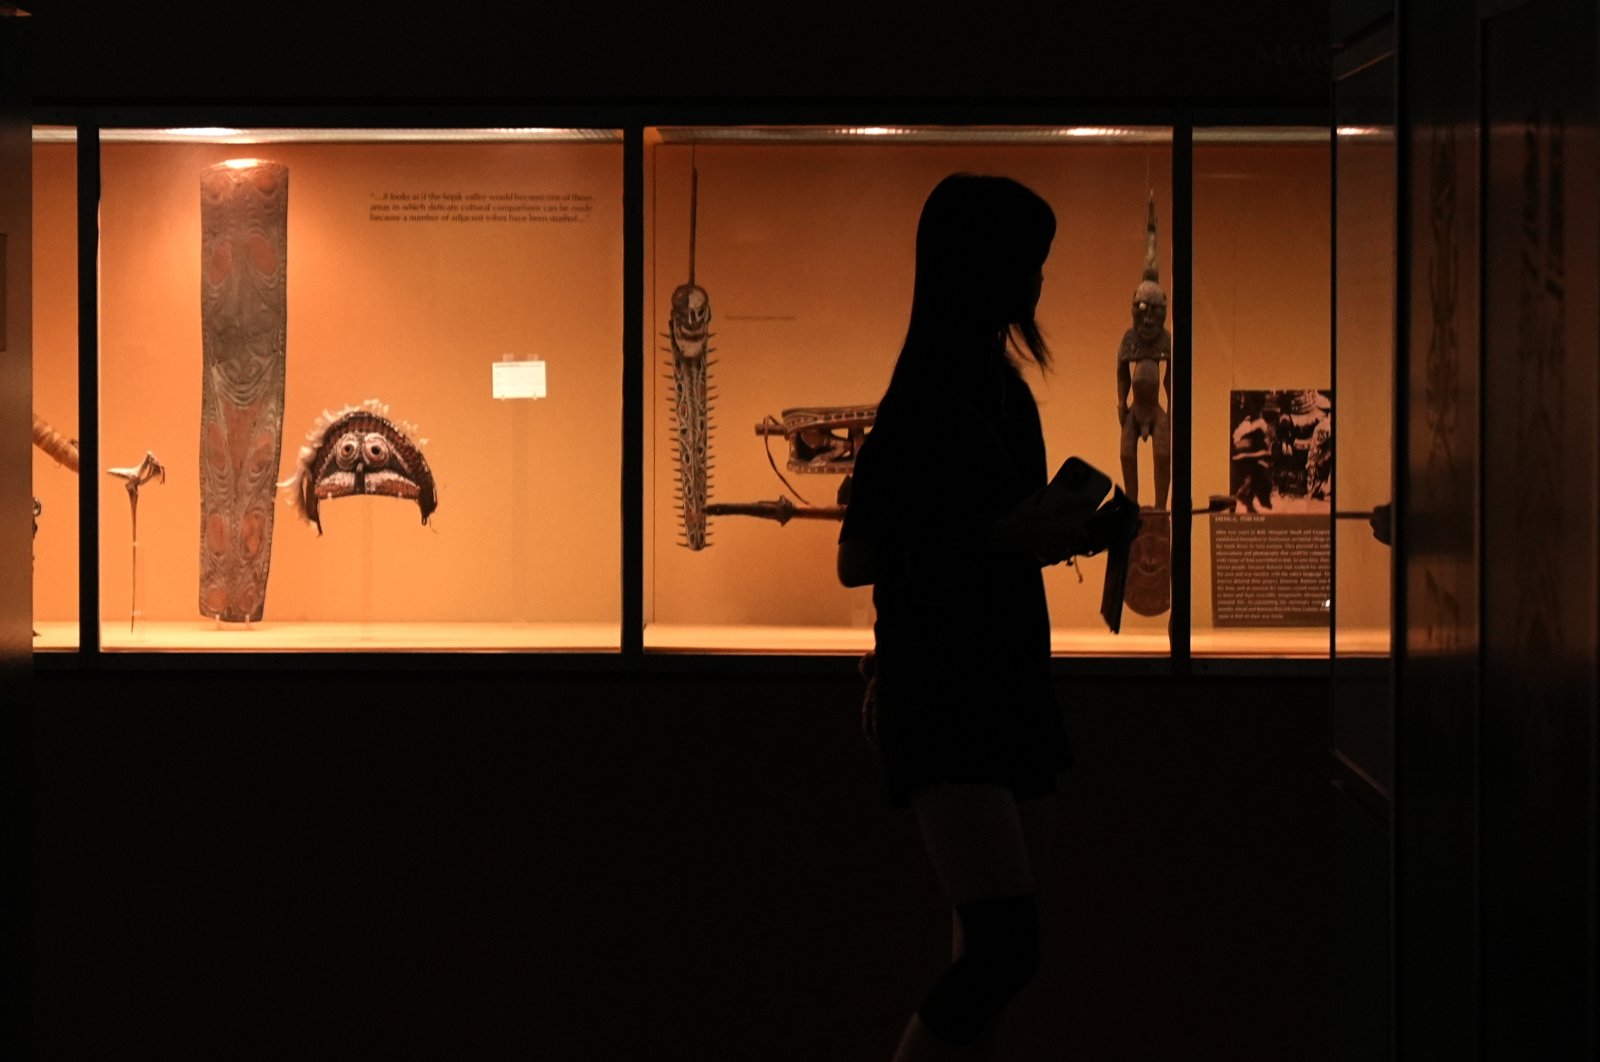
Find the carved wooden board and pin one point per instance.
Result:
(244, 210)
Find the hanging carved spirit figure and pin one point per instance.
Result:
(244, 213)
(1144, 371)
(689, 333)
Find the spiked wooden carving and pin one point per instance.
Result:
(689, 338)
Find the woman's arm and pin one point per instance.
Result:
(1030, 529)
(1035, 527)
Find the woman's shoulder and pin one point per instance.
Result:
(919, 392)
(905, 397)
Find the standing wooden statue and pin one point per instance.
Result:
(1144, 371)
(244, 214)
(1144, 374)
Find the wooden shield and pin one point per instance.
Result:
(1149, 591)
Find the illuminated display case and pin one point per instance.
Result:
(460, 289)
(1364, 333)
(803, 240)
(798, 241)
(1264, 408)
(443, 278)
(55, 387)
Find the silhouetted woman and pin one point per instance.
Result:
(944, 521)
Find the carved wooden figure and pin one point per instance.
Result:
(1144, 370)
(243, 318)
(1144, 374)
(1149, 578)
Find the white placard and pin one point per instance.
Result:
(519, 379)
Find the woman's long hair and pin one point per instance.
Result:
(980, 245)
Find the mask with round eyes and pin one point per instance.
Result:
(359, 450)
(363, 452)
(346, 451)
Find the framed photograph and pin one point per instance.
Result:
(1280, 451)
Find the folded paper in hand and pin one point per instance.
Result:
(1110, 527)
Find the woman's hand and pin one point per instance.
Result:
(868, 667)
(1050, 534)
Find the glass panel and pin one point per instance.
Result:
(1262, 401)
(448, 277)
(803, 241)
(1364, 211)
(1361, 709)
(55, 387)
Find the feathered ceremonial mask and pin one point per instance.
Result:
(360, 450)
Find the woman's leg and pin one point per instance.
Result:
(1039, 832)
(979, 846)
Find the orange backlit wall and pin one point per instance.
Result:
(414, 314)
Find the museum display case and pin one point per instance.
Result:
(55, 387)
(369, 388)
(1264, 406)
(1364, 355)
(795, 247)
(796, 242)
(357, 390)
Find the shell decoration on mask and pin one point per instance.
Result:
(360, 450)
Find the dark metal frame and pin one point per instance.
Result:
(633, 119)
(1376, 45)
(1350, 779)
